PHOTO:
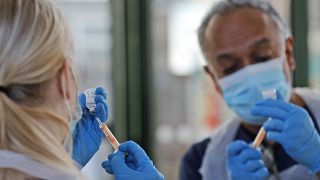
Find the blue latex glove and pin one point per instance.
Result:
(245, 162)
(292, 127)
(136, 166)
(87, 135)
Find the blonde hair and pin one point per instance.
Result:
(35, 44)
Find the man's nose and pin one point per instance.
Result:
(246, 61)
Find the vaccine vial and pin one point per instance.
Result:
(269, 94)
(90, 95)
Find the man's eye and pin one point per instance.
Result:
(261, 59)
(230, 70)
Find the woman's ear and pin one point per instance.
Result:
(64, 82)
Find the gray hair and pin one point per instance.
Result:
(226, 6)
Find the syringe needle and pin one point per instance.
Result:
(99, 121)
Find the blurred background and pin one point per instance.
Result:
(145, 53)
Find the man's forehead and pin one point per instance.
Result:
(238, 29)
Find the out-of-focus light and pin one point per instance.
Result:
(76, 1)
(185, 57)
(165, 134)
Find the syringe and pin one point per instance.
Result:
(113, 141)
(271, 94)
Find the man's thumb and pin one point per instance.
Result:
(118, 162)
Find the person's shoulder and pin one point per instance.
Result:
(196, 151)
(307, 92)
(311, 98)
(192, 160)
(199, 148)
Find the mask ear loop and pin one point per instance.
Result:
(76, 117)
(77, 113)
(66, 141)
(65, 99)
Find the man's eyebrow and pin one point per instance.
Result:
(260, 42)
(224, 56)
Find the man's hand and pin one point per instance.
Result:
(292, 127)
(245, 162)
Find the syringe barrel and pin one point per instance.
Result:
(114, 142)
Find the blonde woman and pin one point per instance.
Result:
(37, 102)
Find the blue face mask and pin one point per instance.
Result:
(242, 89)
